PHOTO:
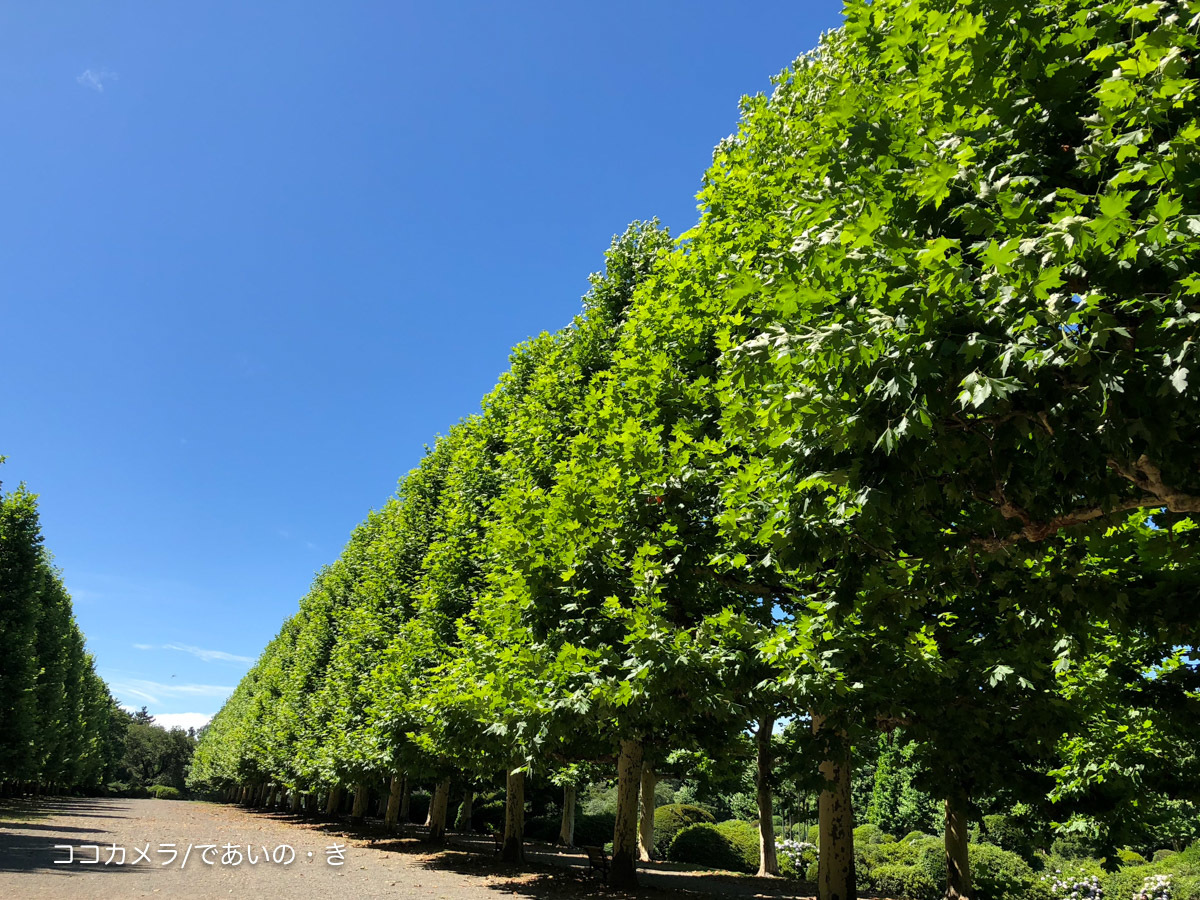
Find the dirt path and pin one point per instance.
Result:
(291, 860)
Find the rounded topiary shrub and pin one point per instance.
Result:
(671, 819)
(743, 836)
(165, 792)
(904, 882)
(1160, 855)
(1003, 875)
(706, 845)
(594, 830)
(871, 834)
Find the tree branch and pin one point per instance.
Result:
(1145, 474)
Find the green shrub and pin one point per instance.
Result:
(671, 819)
(1130, 857)
(487, 816)
(1002, 875)
(594, 829)
(744, 838)
(814, 835)
(1184, 869)
(871, 834)
(904, 883)
(706, 845)
(1160, 855)
(915, 836)
(164, 792)
(1011, 834)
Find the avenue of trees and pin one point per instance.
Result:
(60, 728)
(899, 440)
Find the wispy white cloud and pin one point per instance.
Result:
(198, 652)
(94, 79)
(208, 655)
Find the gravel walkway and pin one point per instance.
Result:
(241, 853)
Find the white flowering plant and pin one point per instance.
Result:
(794, 851)
(1074, 886)
(1155, 887)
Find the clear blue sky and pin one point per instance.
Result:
(253, 256)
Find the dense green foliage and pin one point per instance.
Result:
(899, 439)
(60, 728)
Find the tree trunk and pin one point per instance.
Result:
(623, 867)
(646, 825)
(437, 811)
(361, 796)
(335, 802)
(295, 798)
(395, 789)
(958, 865)
(463, 823)
(768, 863)
(566, 834)
(513, 849)
(405, 799)
(835, 862)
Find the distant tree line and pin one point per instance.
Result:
(60, 728)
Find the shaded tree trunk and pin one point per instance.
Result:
(395, 790)
(623, 867)
(295, 798)
(835, 861)
(566, 834)
(334, 803)
(405, 800)
(646, 825)
(768, 863)
(463, 823)
(513, 848)
(361, 795)
(437, 811)
(958, 865)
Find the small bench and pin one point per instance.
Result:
(598, 860)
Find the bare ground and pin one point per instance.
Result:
(375, 864)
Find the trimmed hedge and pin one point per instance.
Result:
(671, 819)
(165, 792)
(706, 845)
(743, 837)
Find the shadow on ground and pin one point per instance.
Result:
(27, 844)
(548, 871)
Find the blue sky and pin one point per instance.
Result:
(254, 256)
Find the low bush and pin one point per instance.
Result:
(164, 792)
(594, 829)
(871, 834)
(744, 838)
(1130, 857)
(1183, 869)
(905, 882)
(1160, 855)
(671, 819)
(706, 845)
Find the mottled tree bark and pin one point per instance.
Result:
(646, 823)
(566, 833)
(392, 814)
(835, 861)
(334, 803)
(361, 795)
(294, 797)
(768, 863)
(513, 848)
(405, 800)
(437, 811)
(623, 867)
(958, 864)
